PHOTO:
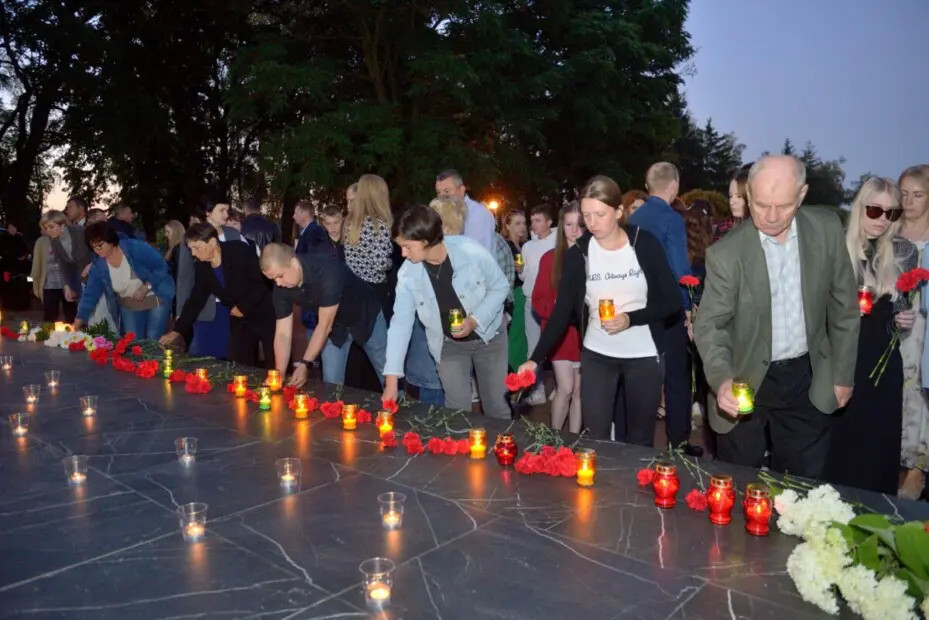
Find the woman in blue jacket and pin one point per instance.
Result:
(132, 277)
(441, 274)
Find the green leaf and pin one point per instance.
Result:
(876, 524)
(913, 548)
(917, 588)
(867, 554)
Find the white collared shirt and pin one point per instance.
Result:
(788, 322)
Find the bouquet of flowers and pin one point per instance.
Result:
(907, 284)
(880, 569)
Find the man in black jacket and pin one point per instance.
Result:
(258, 229)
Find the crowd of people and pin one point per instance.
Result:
(441, 304)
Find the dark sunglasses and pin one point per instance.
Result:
(874, 212)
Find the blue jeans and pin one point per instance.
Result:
(335, 357)
(420, 368)
(145, 324)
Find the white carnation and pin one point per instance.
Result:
(890, 601)
(812, 515)
(925, 607)
(814, 586)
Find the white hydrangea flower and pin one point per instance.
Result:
(925, 607)
(812, 515)
(890, 601)
(814, 586)
(785, 501)
(857, 585)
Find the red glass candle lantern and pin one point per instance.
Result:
(666, 485)
(865, 300)
(506, 449)
(758, 507)
(720, 498)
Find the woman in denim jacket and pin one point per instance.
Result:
(133, 278)
(440, 275)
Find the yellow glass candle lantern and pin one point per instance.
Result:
(385, 422)
(478, 441)
(301, 405)
(240, 383)
(586, 467)
(274, 380)
(744, 395)
(349, 417)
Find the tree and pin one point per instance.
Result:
(705, 158)
(788, 148)
(826, 179)
(526, 98)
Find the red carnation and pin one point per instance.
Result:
(522, 464)
(696, 500)
(364, 416)
(137, 350)
(6, 332)
(909, 280)
(331, 410)
(390, 405)
(450, 446)
(251, 395)
(645, 476)
(690, 281)
(526, 378)
(129, 337)
(389, 439)
(311, 404)
(464, 446)
(230, 387)
(177, 376)
(512, 382)
(289, 392)
(434, 445)
(414, 447)
(77, 346)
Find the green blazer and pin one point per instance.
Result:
(733, 325)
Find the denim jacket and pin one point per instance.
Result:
(145, 261)
(481, 287)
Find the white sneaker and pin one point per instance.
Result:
(537, 396)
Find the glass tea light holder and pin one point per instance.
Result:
(264, 398)
(19, 423)
(52, 379)
(167, 364)
(24, 328)
(865, 300)
(240, 383)
(31, 392)
(75, 469)
(6, 363)
(666, 484)
(274, 380)
(506, 449)
(586, 466)
(378, 582)
(192, 518)
(391, 509)
(203, 374)
(758, 506)
(384, 422)
(607, 310)
(349, 417)
(720, 498)
(288, 473)
(301, 405)
(88, 405)
(186, 450)
(744, 394)
(477, 438)
(455, 318)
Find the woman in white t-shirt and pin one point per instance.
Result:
(627, 267)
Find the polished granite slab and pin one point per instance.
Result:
(478, 540)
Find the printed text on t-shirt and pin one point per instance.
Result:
(632, 273)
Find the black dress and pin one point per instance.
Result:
(865, 447)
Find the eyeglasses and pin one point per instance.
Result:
(875, 212)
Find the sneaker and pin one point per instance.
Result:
(537, 397)
(691, 450)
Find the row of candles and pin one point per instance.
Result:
(720, 499)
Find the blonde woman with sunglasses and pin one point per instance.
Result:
(871, 423)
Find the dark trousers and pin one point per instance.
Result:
(677, 397)
(784, 422)
(244, 338)
(52, 298)
(641, 381)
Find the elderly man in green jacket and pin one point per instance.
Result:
(780, 311)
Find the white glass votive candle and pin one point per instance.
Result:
(6, 363)
(19, 422)
(391, 509)
(88, 405)
(192, 518)
(31, 392)
(75, 469)
(288, 472)
(378, 582)
(186, 449)
(52, 379)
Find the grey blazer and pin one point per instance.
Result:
(72, 263)
(185, 277)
